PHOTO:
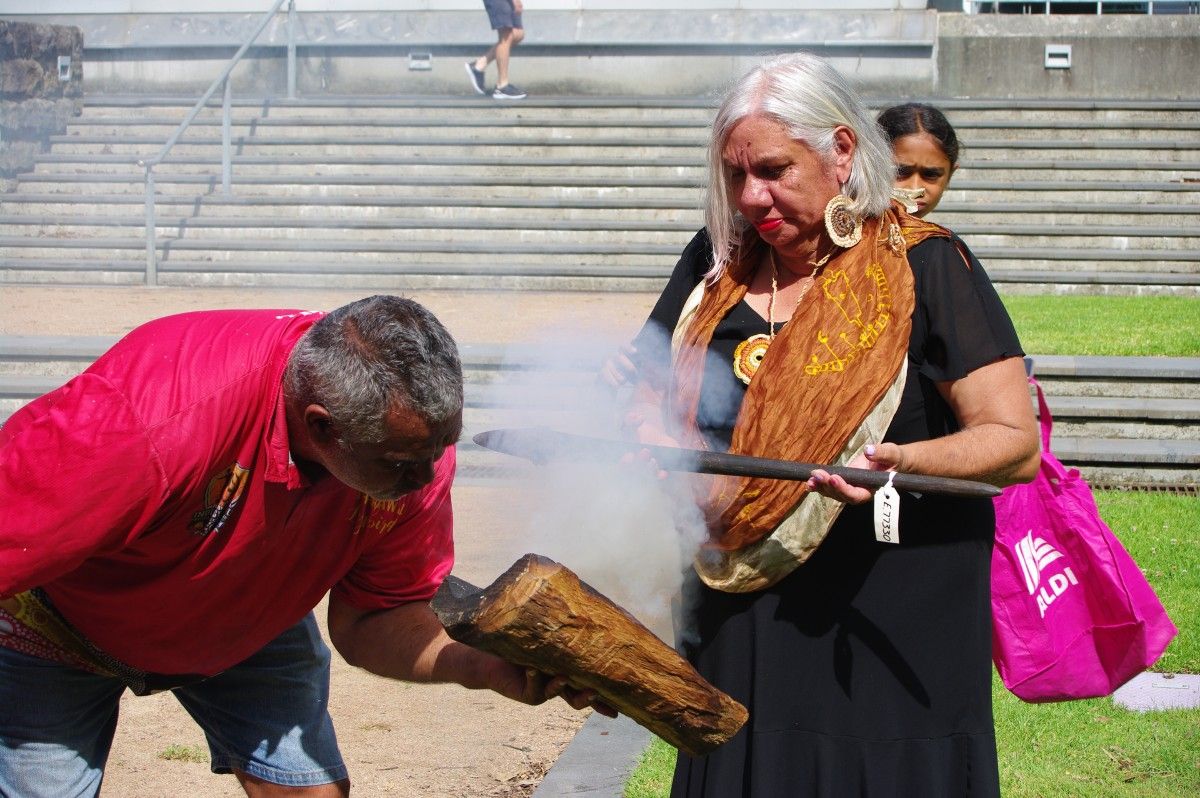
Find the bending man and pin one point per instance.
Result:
(172, 516)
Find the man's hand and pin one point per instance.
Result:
(408, 642)
(531, 686)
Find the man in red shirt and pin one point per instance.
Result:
(170, 517)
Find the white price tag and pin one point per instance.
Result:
(887, 512)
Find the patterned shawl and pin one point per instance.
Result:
(829, 384)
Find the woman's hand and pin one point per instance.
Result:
(642, 423)
(619, 368)
(876, 457)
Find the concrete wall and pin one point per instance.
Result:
(190, 7)
(990, 55)
(569, 52)
(596, 50)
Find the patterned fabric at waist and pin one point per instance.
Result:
(30, 624)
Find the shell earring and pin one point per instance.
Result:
(843, 229)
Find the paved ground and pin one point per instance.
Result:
(399, 739)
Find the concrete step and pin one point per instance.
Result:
(469, 128)
(952, 214)
(366, 233)
(681, 192)
(966, 115)
(581, 142)
(355, 274)
(1152, 242)
(1017, 155)
(523, 227)
(1144, 438)
(666, 245)
(628, 144)
(546, 107)
(488, 167)
(387, 169)
(971, 123)
(583, 190)
(1031, 282)
(1179, 413)
(1016, 107)
(1067, 192)
(569, 210)
(1129, 451)
(128, 268)
(963, 113)
(1003, 191)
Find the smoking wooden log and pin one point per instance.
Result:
(539, 614)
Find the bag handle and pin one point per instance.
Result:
(1044, 418)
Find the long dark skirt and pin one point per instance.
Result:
(867, 671)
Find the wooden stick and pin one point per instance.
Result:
(542, 446)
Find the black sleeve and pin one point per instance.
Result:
(653, 342)
(959, 323)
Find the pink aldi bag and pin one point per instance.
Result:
(1072, 615)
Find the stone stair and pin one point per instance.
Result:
(562, 193)
(1123, 421)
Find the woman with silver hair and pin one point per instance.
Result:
(815, 320)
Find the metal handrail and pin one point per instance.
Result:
(222, 80)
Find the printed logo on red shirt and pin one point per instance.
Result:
(378, 517)
(221, 498)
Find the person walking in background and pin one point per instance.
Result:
(925, 149)
(505, 16)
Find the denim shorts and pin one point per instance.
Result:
(502, 14)
(267, 716)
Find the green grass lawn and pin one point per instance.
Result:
(1107, 325)
(1090, 748)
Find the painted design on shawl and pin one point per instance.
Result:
(895, 240)
(836, 353)
(376, 517)
(222, 496)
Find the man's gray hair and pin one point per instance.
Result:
(367, 358)
(810, 99)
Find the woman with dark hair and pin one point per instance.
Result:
(925, 149)
(815, 320)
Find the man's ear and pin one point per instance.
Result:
(319, 425)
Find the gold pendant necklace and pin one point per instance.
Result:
(749, 354)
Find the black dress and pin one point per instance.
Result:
(867, 670)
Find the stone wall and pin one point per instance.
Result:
(34, 102)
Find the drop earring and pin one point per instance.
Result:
(843, 229)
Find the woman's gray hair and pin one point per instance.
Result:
(810, 99)
(372, 356)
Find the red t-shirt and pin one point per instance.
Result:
(153, 498)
